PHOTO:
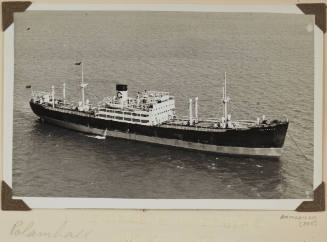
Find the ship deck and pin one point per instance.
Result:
(206, 125)
(209, 124)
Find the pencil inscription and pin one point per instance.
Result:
(62, 231)
(302, 220)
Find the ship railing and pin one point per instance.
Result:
(245, 121)
(122, 113)
(155, 93)
(201, 127)
(65, 105)
(137, 103)
(124, 109)
(115, 101)
(127, 116)
(70, 110)
(140, 107)
(38, 94)
(209, 119)
(194, 127)
(202, 123)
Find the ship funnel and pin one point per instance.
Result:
(121, 93)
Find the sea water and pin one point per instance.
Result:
(269, 63)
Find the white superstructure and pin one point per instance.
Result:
(148, 108)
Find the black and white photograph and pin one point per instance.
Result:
(163, 105)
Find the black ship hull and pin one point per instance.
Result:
(255, 141)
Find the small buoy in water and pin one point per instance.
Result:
(28, 28)
(28, 86)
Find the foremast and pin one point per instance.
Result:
(83, 105)
(226, 119)
(83, 85)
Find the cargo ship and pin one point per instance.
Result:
(150, 117)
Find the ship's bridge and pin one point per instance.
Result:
(147, 108)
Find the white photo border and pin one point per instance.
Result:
(253, 204)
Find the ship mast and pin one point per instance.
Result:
(64, 92)
(53, 95)
(83, 85)
(225, 99)
(190, 112)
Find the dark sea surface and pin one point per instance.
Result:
(269, 63)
